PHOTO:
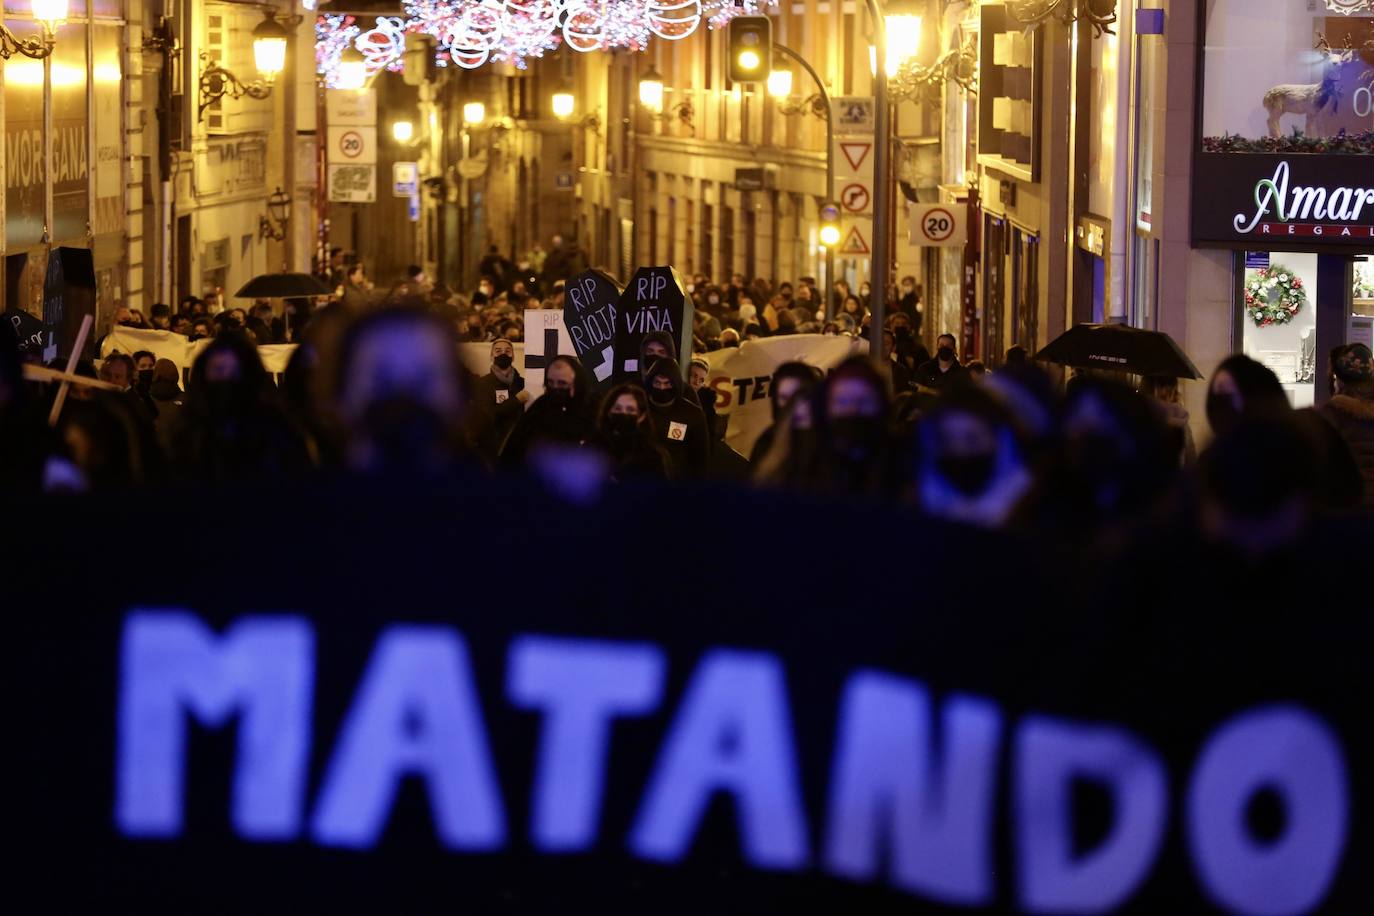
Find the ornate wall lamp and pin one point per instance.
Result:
(50, 14)
(273, 225)
(269, 56)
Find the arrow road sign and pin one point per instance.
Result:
(855, 198)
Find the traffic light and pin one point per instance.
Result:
(751, 49)
(830, 225)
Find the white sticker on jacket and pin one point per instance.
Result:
(502, 395)
(677, 431)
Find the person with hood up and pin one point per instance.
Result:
(498, 401)
(166, 392)
(654, 346)
(1351, 411)
(944, 369)
(234, 429)
(970, 464)
(399, 394)
(697, 373)
(627, 435)
(679, 424)
(559, 418)
(855, 451)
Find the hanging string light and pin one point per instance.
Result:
(470, 33)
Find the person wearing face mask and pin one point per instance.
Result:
(498, 400)
(234, 429)
(560, 418)
(144, 361)
(1351, 411)
(791, 380)
(944, 369)
(855, 454)
(697, 373)
(654, 346)
(627, 435)
(971, 466)
(678, 423)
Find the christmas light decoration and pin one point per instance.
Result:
(470, 33)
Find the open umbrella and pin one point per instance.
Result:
(1120, 347)
(282, 286)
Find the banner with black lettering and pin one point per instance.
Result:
(382, 711)
(741, 377)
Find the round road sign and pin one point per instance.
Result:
(937, 225)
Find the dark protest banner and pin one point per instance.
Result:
(353, 728)
(589, 314)
(27, 329)
(68, 296)
(655, 300)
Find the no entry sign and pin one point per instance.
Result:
(938, 225)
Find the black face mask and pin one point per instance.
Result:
(558, 397)
(856, 438)
(622, 424)
(1221, 413)
(404, 431)
(223, 397)
(145, 377)
(662, 396)
(969, 474)
(946, 354)
(503, 362)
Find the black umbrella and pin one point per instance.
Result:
(1120, 347)
(282, 286)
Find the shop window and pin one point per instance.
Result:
(1286, 76)
(1279, 319)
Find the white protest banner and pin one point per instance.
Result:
(475, 357)
(546, 337)
(741, 377)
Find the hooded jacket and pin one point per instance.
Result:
(548, 422)
(496, 408)
(1353, 416)
(679, 427)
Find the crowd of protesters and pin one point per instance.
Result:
(376, 385)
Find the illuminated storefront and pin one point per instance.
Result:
(1283, 175)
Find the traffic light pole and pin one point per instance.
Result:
(829, 166)
(882, 181)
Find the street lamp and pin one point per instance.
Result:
(903, 39)
(563, 105)
(474, 113)
(780, 84)
(651, 90)
(269, 56)
(402, 131)
(51, 14)
(352, 71)
(273, 225)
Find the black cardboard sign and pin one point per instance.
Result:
(590, 306)
(655, 300)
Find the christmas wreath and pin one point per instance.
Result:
(1274, 295)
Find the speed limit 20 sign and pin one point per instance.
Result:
(938, 225)
(353, 145)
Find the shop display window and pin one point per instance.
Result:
(1288, 76)
(1279, 322)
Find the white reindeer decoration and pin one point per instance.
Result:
(1313, 100)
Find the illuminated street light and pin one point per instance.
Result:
(402, 131)
(563, 105)
(749, 60)
(780, 84)
(51, 13)
(830, 235)
(474, 113)
(903, 39)
(269, 48)
(651, 90)
(352, 72)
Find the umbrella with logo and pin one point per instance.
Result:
(282, 286)
(1119, 347)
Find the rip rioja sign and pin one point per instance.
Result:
(1283, 202)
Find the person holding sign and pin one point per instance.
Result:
(498, 401)
(679, 424)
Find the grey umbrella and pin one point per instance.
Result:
(282, 286)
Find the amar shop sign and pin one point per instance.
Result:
(1335, 210)
(1288, 201)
